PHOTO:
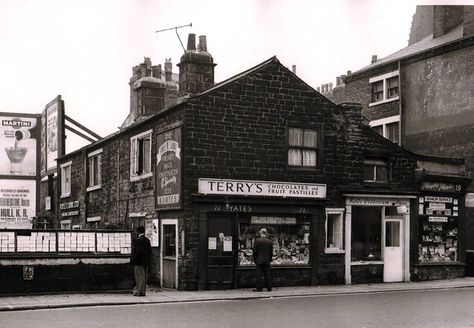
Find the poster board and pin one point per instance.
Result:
(19, 140)
(52, 135)
(17, 204)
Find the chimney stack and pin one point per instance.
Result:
(168, 69)
(374, 59)
(293, 69)
(196, 67)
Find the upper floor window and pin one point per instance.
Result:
(140, 156)
(388, 127)
(94, 176)
(384, 88)
(303, 148)
(376, 170)
(66, 179)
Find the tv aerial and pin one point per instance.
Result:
(176, 30)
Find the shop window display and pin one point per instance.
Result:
(438, 229)
(290, 240)
(439, 241)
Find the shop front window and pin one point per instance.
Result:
(438, 229)
(366, 234)
(290, 236)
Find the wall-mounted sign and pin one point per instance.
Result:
(151, 231)
(17, 204)
(437, 219)
(272, 220)
(168, 165)
(365, 201)
(28, 272)
(440, 186)
(470, 200)
(261, 188)
(69, 209)
(19, 135)
(433, 205)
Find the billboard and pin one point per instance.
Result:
(52, 135)
(17, 204)
(19, 134)
(168, 168)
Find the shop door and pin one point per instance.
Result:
(168, 255)
(393, 250)
(220, 259)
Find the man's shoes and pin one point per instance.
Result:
(257, 290)
(138, 294)
(269, 289)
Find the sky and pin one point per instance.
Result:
(84, 50)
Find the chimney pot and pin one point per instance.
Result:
(338, 81)
(191, 41)
(293, 69)
(168, 69)
(349, 72)
(202, 46)
(374, 59)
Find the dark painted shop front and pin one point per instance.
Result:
(230, 220)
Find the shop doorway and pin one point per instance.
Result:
(393, 249)
(220, 257)
(169, 251)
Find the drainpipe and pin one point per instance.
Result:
(400, 104)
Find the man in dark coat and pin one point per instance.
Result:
(262, 256)
(141, 255)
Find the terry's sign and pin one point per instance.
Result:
(261, 188)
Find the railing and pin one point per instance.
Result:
(65, 242)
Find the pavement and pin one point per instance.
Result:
(160, 296)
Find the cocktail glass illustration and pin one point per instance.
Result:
(16, 156)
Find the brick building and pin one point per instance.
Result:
(259, 149)
(421, 96)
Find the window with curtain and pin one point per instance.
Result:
(303, 147)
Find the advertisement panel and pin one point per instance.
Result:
(261, 188)
(19, 135)
(168, 165)
(52, 135)
(17, 204)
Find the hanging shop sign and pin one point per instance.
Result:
(261, 188)
(168, 165)
(469, 202)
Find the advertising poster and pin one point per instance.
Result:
(151, 231)
(17, 204)
(168, 162)
(51, 136)
(43, 143)
(18, 140)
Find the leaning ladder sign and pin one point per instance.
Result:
(261, 188)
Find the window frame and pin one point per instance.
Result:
(385, 97)
(318, 148)
(95, 154)
(135, 156)
(66, 192)
(384, 122)
(339, 248)
(380, 160)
